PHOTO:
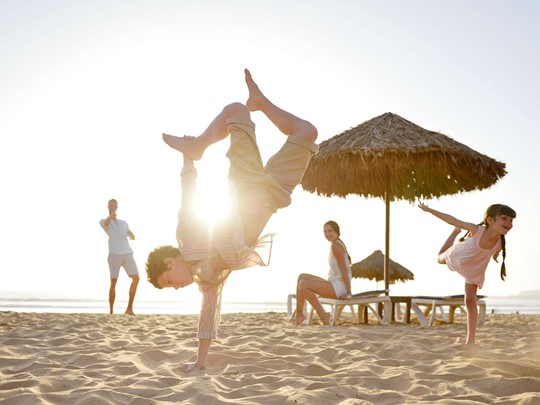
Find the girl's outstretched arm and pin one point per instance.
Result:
(449, 219)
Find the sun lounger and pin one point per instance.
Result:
(453, 302)
(290, 311)
(400, 314)
(363, 301)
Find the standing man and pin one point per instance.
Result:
(120, 255)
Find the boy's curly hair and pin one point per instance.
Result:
(155, 265)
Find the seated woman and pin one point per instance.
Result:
(338, 284)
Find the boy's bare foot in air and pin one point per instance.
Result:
(188, 145)
(256, 98)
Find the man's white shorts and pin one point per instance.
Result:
(125, 261)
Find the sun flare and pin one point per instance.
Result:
(213, 202)
(213, 199)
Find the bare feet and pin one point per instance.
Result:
(300, 318)
(192, 367)
(129, 312)
(325, 319)
(188, 145)
(256, 98)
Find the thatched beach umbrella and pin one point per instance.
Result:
(393, 159)
(372, 268)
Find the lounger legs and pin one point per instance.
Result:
(337, 306)
(291, 313)
(427, 316)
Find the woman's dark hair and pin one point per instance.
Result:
(335, 227)
(493, 211)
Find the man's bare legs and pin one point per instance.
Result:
(132, 291)
(447, 244)
(308, 287)
(112, 294)
(286, 122)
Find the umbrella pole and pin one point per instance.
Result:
(387, 233)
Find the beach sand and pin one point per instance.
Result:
(263, 359)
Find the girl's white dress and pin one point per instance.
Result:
(469, 259)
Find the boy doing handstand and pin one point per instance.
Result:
(209, 257)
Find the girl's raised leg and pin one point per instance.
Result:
(447, 244)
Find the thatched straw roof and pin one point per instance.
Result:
(372, 267)
(393, 159)
(420, 164)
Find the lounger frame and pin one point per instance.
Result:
(433, 304)
(359, 315)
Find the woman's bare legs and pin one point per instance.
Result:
(286, 122)
(472, 312)
(300, 316)
(308, 288)
(447, 244)
(194, 147)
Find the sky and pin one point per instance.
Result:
(87, 89)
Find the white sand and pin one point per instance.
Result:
(263, 359)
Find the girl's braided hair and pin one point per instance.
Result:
(494, 211)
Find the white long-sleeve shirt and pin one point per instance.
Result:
(215, 252)
(118, 236)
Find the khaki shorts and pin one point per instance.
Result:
(125, 261)
(274, 182)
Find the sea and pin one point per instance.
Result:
(36, 302)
